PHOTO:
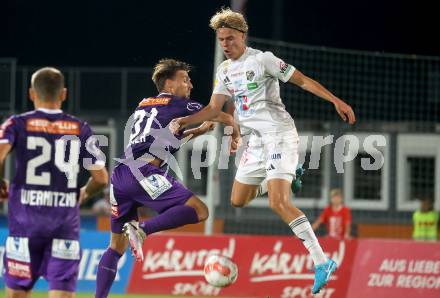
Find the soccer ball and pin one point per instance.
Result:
(220, 271)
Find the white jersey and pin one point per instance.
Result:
(252, 82)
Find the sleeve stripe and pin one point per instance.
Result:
(4, 141)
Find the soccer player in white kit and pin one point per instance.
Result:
(250, 77)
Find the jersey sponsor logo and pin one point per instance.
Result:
(252, 86)
(250, 74)
(155, 185)
(244, 102)
(61, 127)
(236, 74)
(48, 198)
(193, 106)
(17, 249)
(284, 67)
(154, 101)
(275, 156)
(17, 269)
(65, 249)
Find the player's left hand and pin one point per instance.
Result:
(345, 111)
(175, 126)
(4, 189)
(83, 195)
(236, 141)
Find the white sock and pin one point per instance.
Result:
(302, 228)
(262, 188)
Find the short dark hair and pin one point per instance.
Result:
(48, 82)
(166, 69)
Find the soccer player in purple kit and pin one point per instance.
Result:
(44, 196)
(138, 180)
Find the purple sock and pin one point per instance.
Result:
(172, 218)
(106, 274)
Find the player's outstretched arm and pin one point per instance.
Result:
(312, 86)
(211, 111)
(4, 151)
(97, 182)
(198, 131)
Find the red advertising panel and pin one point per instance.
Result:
(268, 266)
(387, 268)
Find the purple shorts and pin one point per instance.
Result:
(150, 187)
(26, 259)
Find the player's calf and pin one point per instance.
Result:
(108, 265)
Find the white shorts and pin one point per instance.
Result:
(271, 156)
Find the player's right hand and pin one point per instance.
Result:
(4, 189)
(235, 144)
(83, 195)
(345, 111)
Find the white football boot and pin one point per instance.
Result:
(136, 237)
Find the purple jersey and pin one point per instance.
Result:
(50, 147)
(149, 132)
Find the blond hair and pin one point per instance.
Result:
(226, 18)
(336, 192)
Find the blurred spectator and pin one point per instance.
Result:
(336, 217)
(426, 221)
(101, 205)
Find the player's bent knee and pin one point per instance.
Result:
(202, 213)
(238, 203)
(200, 208)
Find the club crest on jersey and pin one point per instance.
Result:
(250, 74)
(193, 106)
(155, 185)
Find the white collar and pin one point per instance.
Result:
(50, 111)
(243, 56)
